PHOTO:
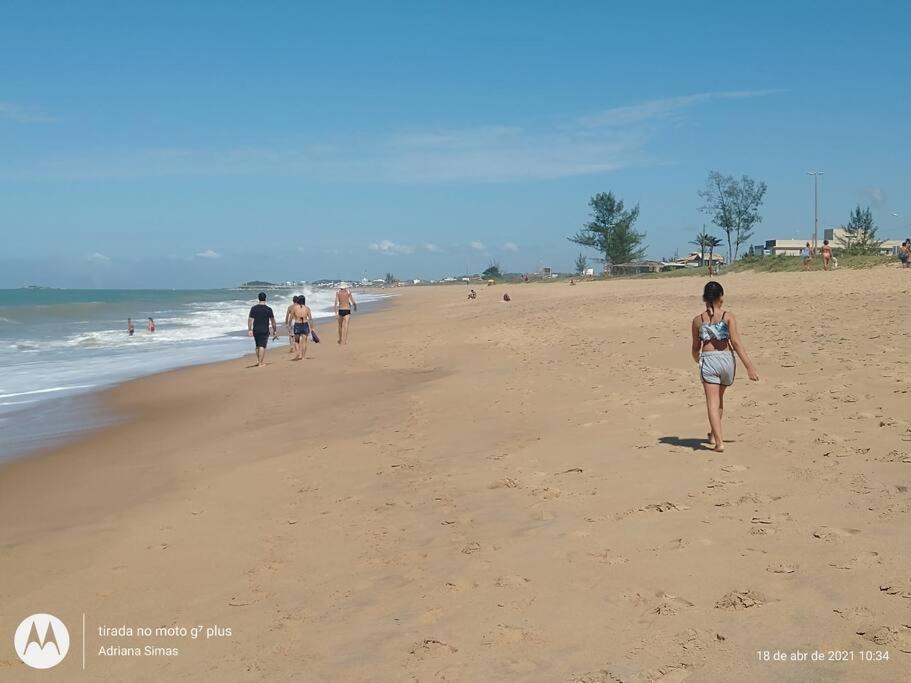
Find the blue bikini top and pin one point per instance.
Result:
(718, 331)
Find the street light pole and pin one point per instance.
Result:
(815, 175)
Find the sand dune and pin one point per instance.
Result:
(489, 491)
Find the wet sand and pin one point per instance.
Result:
(490, 491)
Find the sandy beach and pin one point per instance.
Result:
(476, 491)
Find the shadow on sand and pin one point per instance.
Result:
(695, 444)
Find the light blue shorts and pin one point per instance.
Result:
(717, 367)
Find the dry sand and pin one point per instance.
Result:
(484, 491)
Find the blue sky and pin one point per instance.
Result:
(201, 144)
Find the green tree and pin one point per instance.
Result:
(859, 236)
(612, 230)
(734, 207)
(581, 264)
(492, 272)
(390, 279)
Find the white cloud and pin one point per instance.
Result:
(99, 258)
(477, 246)
(511, 246)
(208, 253)
(661, 108)
(875, 196)
(603, 141)
(14, 112)
(432, 248)
(390, 248)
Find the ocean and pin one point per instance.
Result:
(60, 344)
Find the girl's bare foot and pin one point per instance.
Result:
(710, 438)
(719, 448)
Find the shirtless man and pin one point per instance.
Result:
(288, 324)
(344, 304)
(302, 324)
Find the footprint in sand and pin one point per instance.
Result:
(431, 647)
(511, 581)
(670, 604)
(505, 634)
(741, 600)
(830, 534)
(899, 587)
(866, 559)
(782, 568)
(889, 636)
(854, 613)
(505, 483)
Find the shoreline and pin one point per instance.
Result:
(84, 412)
(481, 490)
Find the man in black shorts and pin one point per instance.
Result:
(258, 324)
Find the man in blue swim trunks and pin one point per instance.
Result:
(259, 322)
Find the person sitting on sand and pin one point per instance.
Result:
(506, 297)
(715, 340)
(344, 304)
(826, 253)
(302, 319)
(472, 294)
(289, 323)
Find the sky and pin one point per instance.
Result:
(203, 144)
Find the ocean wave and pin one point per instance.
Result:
(48, 390)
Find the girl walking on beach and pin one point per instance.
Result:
(715, 341)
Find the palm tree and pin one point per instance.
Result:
(705, 241)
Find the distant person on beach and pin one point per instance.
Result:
(807, 255)
(904, 253)
(289, 324)
(826, 253)
(472, 295)
(130, 328)
(715, 340)
(302, 326)
(259, 322)
(506, 297)
(151, 326)
(344, 304)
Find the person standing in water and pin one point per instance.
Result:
(130, 328)
(302, 326)
(289, 323)
(259, 321)
(715, 341)
(151, 326)
(344, 304)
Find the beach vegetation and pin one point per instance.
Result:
(734, 207)
(492, 272)
(581, 264)
(611, 230)
(859, 236)
(390, 279)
